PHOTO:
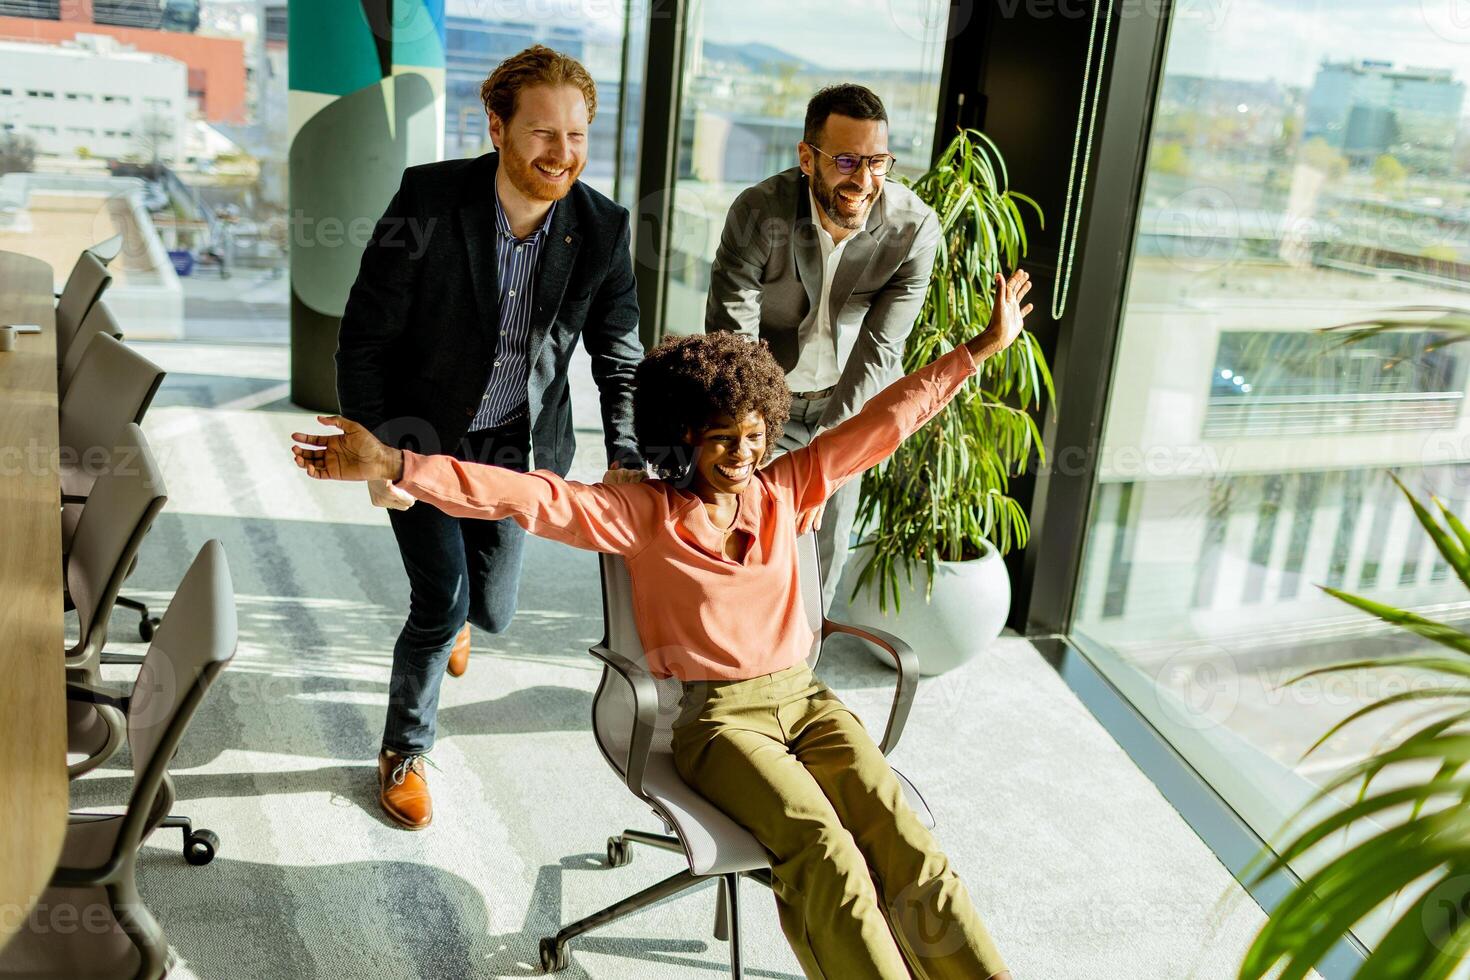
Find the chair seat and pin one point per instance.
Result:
(77, 480)
(716, 844)
(74, 933)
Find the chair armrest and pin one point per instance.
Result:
(645, 711)
(64, 877)
(88, 694)
(904, 660)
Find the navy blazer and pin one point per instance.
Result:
(419, 332)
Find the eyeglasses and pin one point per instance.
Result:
(847, 163)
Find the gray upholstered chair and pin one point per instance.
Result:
(113, 385)
(89, 277)
(108, 249)
(631, 716)
(110, 932)
(98, 320)
(125, 500)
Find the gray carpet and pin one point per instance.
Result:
(1079, 867)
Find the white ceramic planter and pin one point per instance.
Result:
(965, 614)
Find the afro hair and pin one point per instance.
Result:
(686, 382)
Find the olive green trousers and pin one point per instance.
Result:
(861, 887)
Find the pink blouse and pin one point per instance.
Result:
(701, 614)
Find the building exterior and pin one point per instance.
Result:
(216, 65)
(65, 97)
(1367, 109)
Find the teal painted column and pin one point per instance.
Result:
(366, 100)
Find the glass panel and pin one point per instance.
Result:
(164, 123)
(1307, 168)
(744, 99)
(174, 132)
(474, 44)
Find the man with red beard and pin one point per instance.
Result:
(829, 264)
(477, 283)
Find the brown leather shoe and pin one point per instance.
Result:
(403, 790)
(459, 654)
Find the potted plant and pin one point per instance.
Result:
(937, 516)
(1427, 851)
(1412, 857)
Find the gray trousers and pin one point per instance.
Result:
(837, 519)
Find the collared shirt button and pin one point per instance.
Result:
(512, 292)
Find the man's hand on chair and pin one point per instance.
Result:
(385, 494)
(618, 473)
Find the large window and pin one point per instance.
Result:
(1309, 166)
(749, 69)
(172, 127)
(474, 44)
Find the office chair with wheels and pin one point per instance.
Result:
(113, 385)
(127, 497)
(631, 717)
(96, 874)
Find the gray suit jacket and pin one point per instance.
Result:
(767, 281)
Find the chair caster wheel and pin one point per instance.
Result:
(146, 626)
(199, 847)
(618, 852)
(554, 958)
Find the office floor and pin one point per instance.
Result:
(1080, 868)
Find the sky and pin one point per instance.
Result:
(1283, 40)
(1286, 40)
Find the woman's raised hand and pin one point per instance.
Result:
(1007, 316)
(355, 454)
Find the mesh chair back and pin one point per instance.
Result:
(612, 706)
(107, 249)
(113, 385)
(89, 277)
(99, 320)
(128, 495)
(194, 641)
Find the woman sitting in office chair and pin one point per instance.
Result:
(862, 888)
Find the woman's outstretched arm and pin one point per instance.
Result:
(604, 517)
(815, 471)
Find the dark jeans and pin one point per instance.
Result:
(458, 570)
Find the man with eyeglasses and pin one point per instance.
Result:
(829, 264)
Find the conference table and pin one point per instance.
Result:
(33, 801)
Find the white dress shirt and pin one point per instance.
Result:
(817, 367)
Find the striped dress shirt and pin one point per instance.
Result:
(505, 399)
